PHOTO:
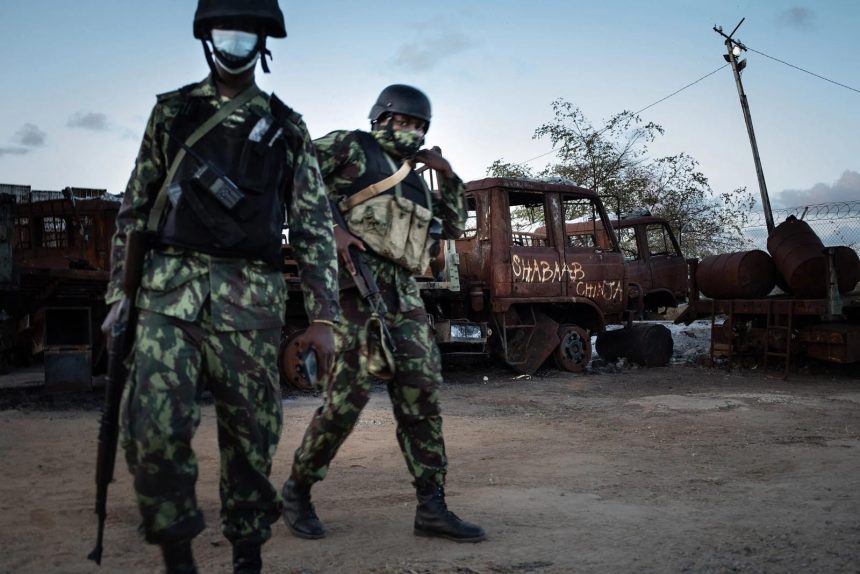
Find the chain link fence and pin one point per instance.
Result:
(835, 223)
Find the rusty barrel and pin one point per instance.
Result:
(801, 261)
(848, 268)
(739, 275)
(646, 345)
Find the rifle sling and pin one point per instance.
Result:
(376, 188)
(204, 128)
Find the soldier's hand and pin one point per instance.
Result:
(111, 318)
(343, 240)
(320, 338)
(433, 158)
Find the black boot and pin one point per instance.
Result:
(299, 513)
(432, 517)
(178, 558)
(246, 558)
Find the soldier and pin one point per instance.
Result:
(358, 169)
(221, 166)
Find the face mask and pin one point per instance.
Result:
(400, 143)
(235, 51)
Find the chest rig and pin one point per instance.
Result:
(229, 193)
(397, 223)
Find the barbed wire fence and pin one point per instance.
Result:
(836, 223)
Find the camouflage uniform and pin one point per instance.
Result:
(414, 388)
(213, 321)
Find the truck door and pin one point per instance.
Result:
(631, 238)
(591, 271)
(668, 269)
(535, 260)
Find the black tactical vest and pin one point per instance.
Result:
(412, 188)
(204, 213)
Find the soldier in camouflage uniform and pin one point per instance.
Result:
(212, 296)
(350, 161)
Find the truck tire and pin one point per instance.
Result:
(574, 350)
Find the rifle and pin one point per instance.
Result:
(367, 287)
(121, 342)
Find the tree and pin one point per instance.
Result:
(614, 161)
(500, 168)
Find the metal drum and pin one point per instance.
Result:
(801, 260)
(740, 275)
(848, 268)
(649, 345)
(799, 257)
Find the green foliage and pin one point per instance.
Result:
(500, 168)
(613, 160)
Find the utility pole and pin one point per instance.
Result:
(735, 48)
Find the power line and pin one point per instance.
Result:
(676, 92)
(681, 90)
(802, 70)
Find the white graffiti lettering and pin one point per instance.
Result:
(540, 271)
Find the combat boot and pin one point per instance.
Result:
(246, 558)
(178, 558)
(432, 517)
(299, 513)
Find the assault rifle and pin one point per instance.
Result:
(121, 342)
(367, 287)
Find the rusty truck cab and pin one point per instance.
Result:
(543, 290)
(655, 264)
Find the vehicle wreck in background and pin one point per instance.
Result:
(656, 269)
(54, 267)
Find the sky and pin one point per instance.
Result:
(80, 78)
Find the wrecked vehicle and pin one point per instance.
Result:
(519, 285)
(54, 268)
(656, 268)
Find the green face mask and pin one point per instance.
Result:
(400, 143)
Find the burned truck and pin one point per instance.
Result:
(656, 268)
(519, 284)
(54, 263)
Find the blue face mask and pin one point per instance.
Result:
(235, 50)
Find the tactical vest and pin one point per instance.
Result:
(396, 223)
(207, 214)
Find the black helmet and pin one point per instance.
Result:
(266, 12)
(401, 99)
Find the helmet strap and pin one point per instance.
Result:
(209, 59)
(264, 52)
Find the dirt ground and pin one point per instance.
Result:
(675, 469)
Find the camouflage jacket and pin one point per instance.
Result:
(342, 161)
(244, 294)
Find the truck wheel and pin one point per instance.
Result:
(574, 350)
(288, 362)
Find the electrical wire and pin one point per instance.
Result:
(702, 78)
(802, 70)
(676, 92)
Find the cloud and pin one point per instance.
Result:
(797, 17)
(13, 151)
(30, 135)
(424, 55)
(95, 121)
(846, 188)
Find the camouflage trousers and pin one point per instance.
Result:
(413, 391)
(173, 360)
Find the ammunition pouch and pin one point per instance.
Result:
(376, 358)
(395, 228)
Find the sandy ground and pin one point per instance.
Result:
(675, 469)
